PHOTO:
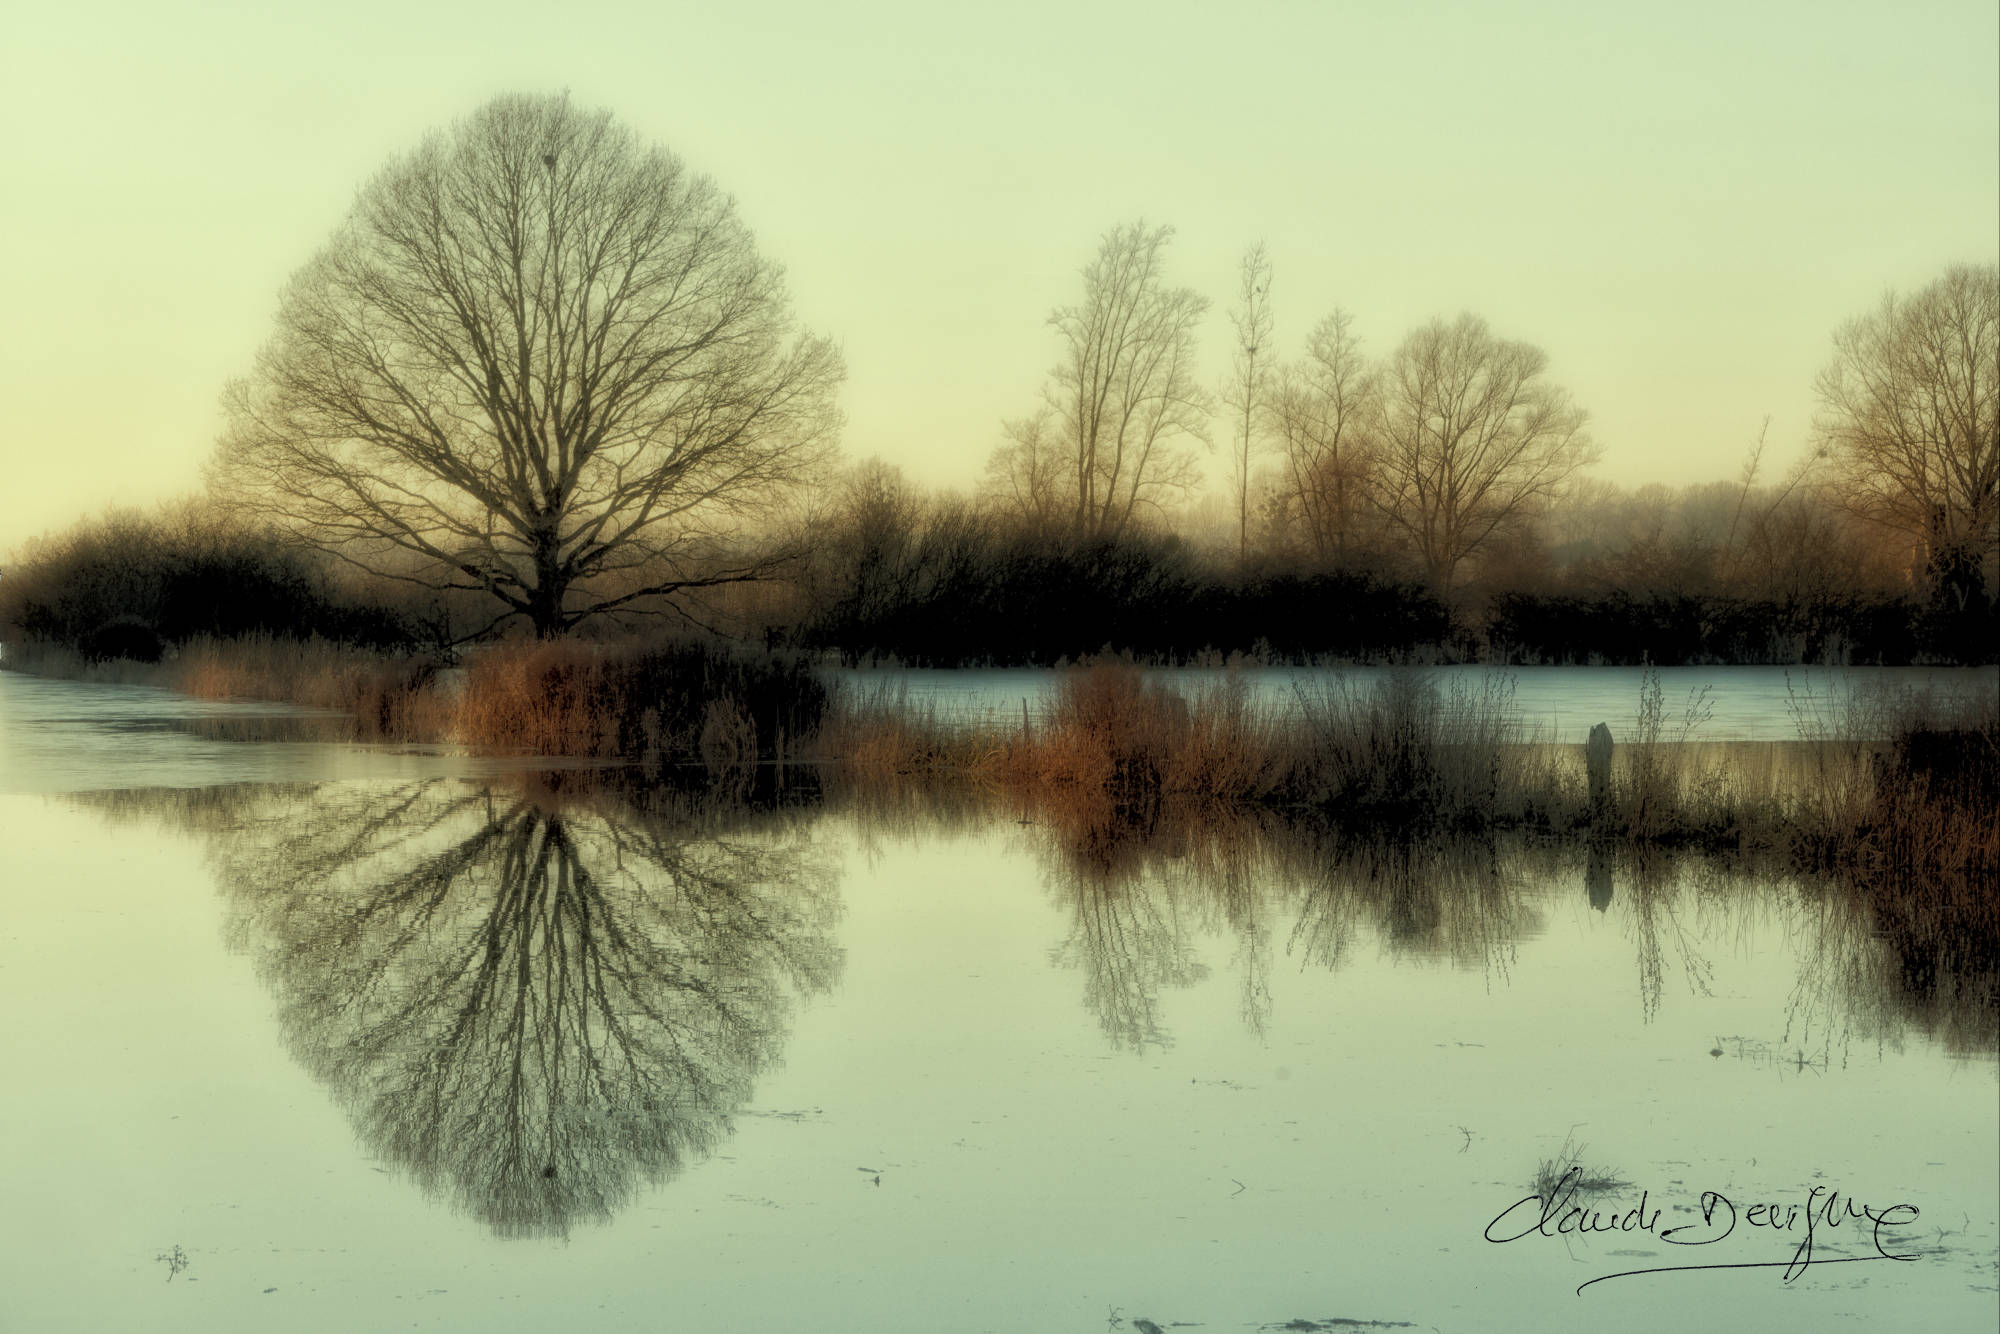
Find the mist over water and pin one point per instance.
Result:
(379, 1037)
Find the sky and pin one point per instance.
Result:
(1679, 204)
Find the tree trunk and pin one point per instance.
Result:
(545, 604)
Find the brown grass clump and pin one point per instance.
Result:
(389, 698)
(545, 699)
(652, 703)
(881, 738)
(1112, 731)
(665, 703)
(1405, 751)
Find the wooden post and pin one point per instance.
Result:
(1597, 754)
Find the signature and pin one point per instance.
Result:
(1557, 1214)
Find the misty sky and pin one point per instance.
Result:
(1679, 203)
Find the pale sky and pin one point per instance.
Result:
(1678, 203)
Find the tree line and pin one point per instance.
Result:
(542, 377)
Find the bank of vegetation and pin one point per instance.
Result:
(896, 577)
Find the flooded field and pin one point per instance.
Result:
(1551, 703)
(334, 1037)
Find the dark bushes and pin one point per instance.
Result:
(1671, 629)
(130, 586)
(122, 637)
(959, 593)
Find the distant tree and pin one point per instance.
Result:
(1910, 421)
(1247, 389)
(1473, 441)
(1124, 397)
(1031, 476)
(1325, 412)
(869, 535)
(542, 359)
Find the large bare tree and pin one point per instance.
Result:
(1473, 441)
(1124, 396)
(539, 360)
(1910, 419)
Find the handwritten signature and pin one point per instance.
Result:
(1558, 1214)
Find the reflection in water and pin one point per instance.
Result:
(1130, 932)
(1130, 940)
(537, 998)
(1597, 877)
(1655, 891)
(534, 1001)
(1880, 963)
(1145, 891)
(1465, 900)
(1140, 891)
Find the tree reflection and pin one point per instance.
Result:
(1142, 887)
(1129, 932)
(1656, 884)
(1876, 960)
(534, 1000)
(1461, 899)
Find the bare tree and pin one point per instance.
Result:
(1247, 388)
(1474, 441)
(1325, 412)
(1124, 395)
(1030, 476)
(539, 360)
(1910, 420)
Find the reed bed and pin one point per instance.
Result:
(676, 702)
(1898, 789)
(1902, 789)
(388, 698)
(653, 704)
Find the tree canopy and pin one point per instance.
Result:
(1910, 419)
(539, 360)
(1473, 440)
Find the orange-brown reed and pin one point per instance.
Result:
(388, 698)
(671, 701)
(1898, 788)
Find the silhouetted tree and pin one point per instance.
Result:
(1473, 440)
(1326, 412)
(1029, 478)
(1910, 421)
(1248, 386)
(541, 358)
(1124, 397)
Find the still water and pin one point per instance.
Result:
(337, 1038)
(1549, 703)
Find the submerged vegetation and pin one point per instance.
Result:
(1565, 1169)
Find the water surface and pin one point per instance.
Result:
(1554, 703)
(375, 1040)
